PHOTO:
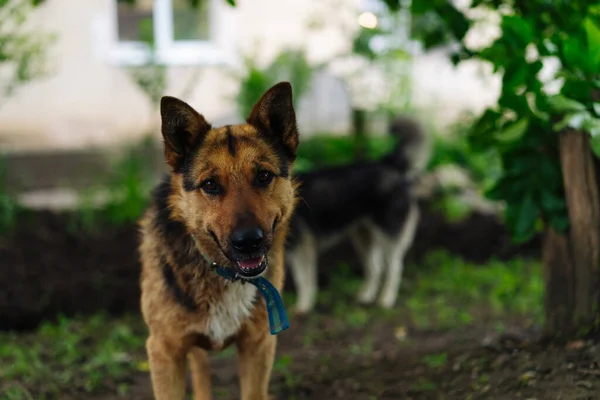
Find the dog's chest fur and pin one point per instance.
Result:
(227, 315)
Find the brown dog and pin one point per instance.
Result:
(226, 202)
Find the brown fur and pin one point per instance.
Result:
(189, 309)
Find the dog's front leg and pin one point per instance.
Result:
(199, 364)
(167, 369)
(256, 355)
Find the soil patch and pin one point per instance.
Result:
(326, 359)
(50, 266)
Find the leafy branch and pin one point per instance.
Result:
(22, 51)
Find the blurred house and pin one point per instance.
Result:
(91, 100)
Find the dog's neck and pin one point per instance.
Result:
(278, 320)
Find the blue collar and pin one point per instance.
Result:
(278, 319)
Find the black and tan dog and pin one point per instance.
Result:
(217, 225)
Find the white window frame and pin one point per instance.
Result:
(217, 50)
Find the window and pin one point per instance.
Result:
(172, 31)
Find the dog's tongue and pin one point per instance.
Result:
(251, 263)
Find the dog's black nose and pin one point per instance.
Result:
(247, 240)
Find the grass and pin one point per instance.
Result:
(435, 360)
(446, 292)
(452, 291)
(82, 353)
(98, 352)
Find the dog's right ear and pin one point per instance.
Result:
(274, 115)
(183, 130)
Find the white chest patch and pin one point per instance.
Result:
(226, 317)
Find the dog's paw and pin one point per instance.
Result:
(365, 298)
(386, 302)
(299, 311)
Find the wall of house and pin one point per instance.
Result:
(88, 101)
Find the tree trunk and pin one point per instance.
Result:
(572, 261)
(559, 285)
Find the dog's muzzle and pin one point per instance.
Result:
(252, 267)
(248, 246)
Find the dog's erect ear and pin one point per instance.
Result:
(274, 116)
(183, 130)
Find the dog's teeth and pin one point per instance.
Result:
(248, 265)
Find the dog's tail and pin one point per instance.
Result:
(412, 151)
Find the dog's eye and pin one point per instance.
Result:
(210, 186)
(264, 178)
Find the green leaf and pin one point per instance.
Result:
(393, 5)
(574, 120)
(513, 132)
(575, 55)
(595, 143)
(231, 2)
(519, 29)
(596, 107)
(521, 218)
(552, 203)
(561, 103)
(511, 100)
(515, 75)
(577, 89)
(593, 40)
(481, 133)
(560, 222)
(508, 189)
(592, 126)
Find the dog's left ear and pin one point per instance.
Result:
(275, 117)
(183, 130)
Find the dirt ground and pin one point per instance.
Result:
(323, 359)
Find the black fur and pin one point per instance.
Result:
(331, 199)
(179, 138)
(188, 182)
(284, 155)
(231, 140)
(180, 295)
(172, 232)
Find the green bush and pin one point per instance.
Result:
(454, 148)
(290, 65)
(323, 150)
(127, 189)
(8, 203)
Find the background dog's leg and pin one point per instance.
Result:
(200, 367)
(361, 246)
(304, 271)
(373, 267)
(395, 253)
(167, 369)
(255, 359)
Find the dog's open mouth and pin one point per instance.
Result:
(252, 267)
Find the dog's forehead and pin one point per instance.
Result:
(233, 147)
(222, 133)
